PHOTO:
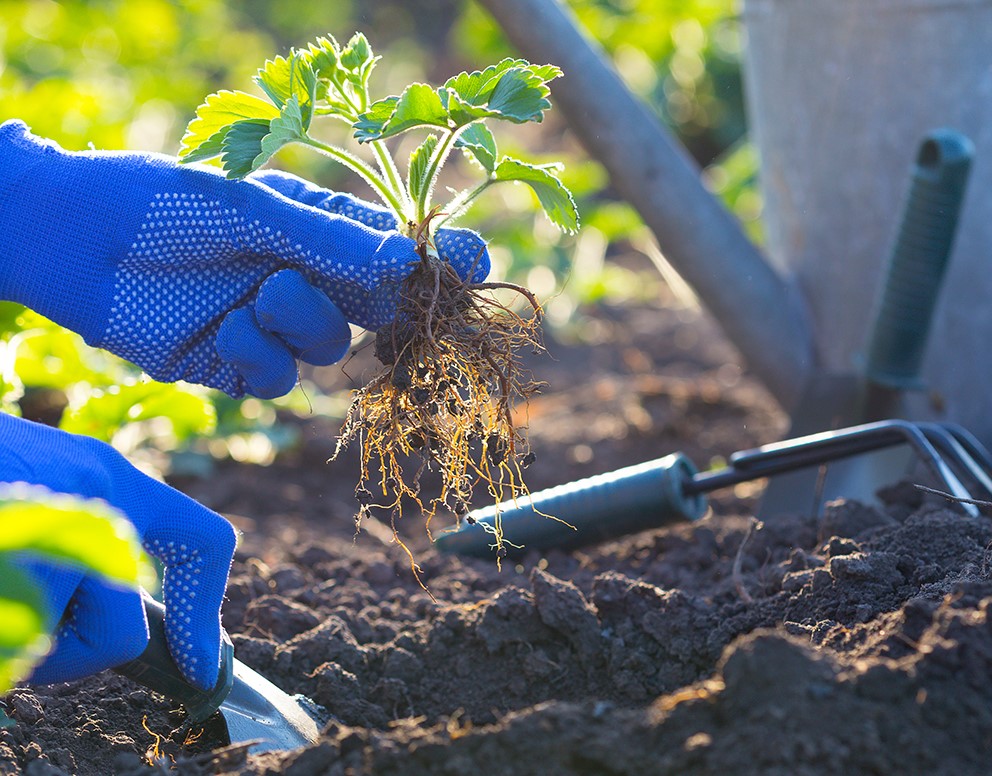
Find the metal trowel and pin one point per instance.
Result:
(246, 706)
(896, 342)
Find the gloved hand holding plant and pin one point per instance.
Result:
(450, 353)
(227, 283)
(192, 276)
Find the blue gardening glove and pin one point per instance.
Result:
(193, 276)
(464, 248)
(102, 625)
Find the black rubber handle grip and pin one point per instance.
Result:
(919, 259)
(602, 507)
(156, 670)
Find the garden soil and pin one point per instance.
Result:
(856, 642)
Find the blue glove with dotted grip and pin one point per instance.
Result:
(463, 248)
(102, 625)
(150, 260)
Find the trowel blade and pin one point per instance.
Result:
(256, 710)
(252, 709)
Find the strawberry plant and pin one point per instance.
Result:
(451, 373)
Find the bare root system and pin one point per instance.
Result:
(444, 400)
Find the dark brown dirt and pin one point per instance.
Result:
(859, 642)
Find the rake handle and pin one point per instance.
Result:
(919, 259)
(601, 507)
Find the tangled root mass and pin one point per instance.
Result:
(444, 400)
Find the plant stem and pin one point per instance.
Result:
(392, 176)
(363, 169)
(437, 159)
(462, 201)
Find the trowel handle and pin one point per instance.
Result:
(918, 260)
(608, 505)
(156, 670)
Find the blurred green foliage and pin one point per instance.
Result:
(680, 56)
(119, 74)
(49, 373)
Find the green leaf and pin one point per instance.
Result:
(205, 133)
(513, 89)
(208, 149)
(419, 105)
(103, 414)
(9, 313)
(342, 74)
(288, 128)
(66, 530)
(26, 622)
(370, 124)
(477, 87)
(520, 96)
(48, 356)
(241, 149)
(419, 162)
(357, 55)
(462, 112)
(544, 72)
(282, 78)
(554, 197)
(17, 585)
(479, 143)
(306, 95)
(82, 533)
(325, 56)
(273, 78)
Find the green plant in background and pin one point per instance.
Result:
(116, 73)
(51, 370)
(683, 59)
(91, 74)
(79, 533)
(50, 374)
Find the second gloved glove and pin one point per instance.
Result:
(103, 625)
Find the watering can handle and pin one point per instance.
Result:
(918, 260)
(155, 669)
(605, 506)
